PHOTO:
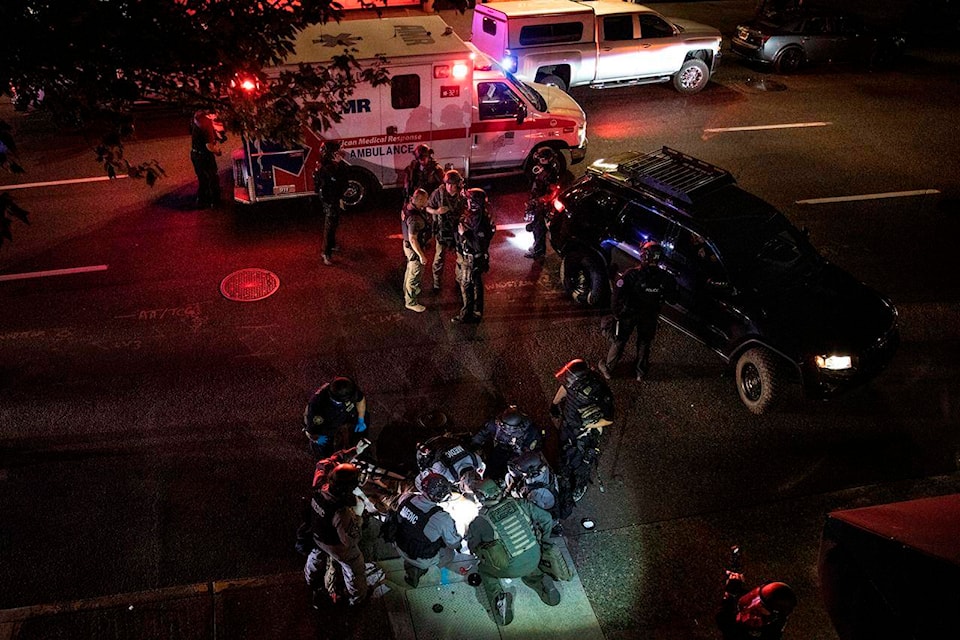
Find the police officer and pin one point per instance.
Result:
(335, 417)
(543, 189)
(426, 534)
(529, 477)
(637, 297)
(446, 456)
(423, 172)
(506, 536)
(335, 527)
(583, 406)
(416, 234)
(204, 150)
(760, 613)
(504, 438)
(446, 204)
(474, 234)
(330, 182)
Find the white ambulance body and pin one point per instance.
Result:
(442, 92)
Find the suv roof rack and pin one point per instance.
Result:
(673, 174)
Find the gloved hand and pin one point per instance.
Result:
(361, 425)
(322, 440)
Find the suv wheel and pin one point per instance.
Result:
(555, 81)
(583, 279)
(692, 77)
(758, 381)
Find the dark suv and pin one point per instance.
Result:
(749, 284)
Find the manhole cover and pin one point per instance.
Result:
(249, 285)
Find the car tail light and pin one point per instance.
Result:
(558, 206)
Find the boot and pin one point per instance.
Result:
(503, 608)
(413, 575)
(546, 589)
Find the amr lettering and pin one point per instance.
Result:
(358, 105)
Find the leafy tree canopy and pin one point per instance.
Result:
(89, 60)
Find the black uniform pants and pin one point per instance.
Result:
(470, 279)
(208, 178)
(331, 220)
(625, 328)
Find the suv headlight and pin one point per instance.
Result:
(834, 362)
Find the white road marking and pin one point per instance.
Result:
(765, 127)
(871, 196)
(57, 183)
(52, 272)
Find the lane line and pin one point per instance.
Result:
(56, 183)
(766, 127)
(52, 272)
(871, 196)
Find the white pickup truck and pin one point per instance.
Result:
(597, 43)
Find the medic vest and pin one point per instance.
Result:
(511, 526)
(452, 457)
(321, 522)
(411, 522)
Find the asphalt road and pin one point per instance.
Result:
(149, 427)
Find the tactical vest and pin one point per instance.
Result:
(452, 457)
(511, 526)
(423, 236)
(321, 523)
(411, 522)
(587, 397)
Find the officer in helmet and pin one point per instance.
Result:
(637, 297)
(446, 456)
(582, 406)
(335, 527)
(423, 172)
(759, 613)
(335, 417)
(543, 191)
(446, 205)
(474, 234)
(426, 534)
(506, 536)
(330, 182)
(529, 477)
(504, 438)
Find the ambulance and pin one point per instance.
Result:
(443, 92)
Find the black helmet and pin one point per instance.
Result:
(428, 451)
(529, 464)
(651, 252)
(344, 478)
(512, 421)
(422, 151)
(435, 487)
(331, 146)
(572, 371)
(545, 155)
(343, 389)
(487, 491)
(453, 177)
(476, 200)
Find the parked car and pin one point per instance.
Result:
(750, 286)
(788, 40)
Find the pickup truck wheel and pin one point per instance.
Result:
(692, 77)
(758, 379)
(361, 190)
(582, 279)
(789, 60)
(556, 81)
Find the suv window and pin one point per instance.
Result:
(618, 27)
(650, 225)
(652, 26)
(551, 33)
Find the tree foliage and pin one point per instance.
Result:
(86, 63)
